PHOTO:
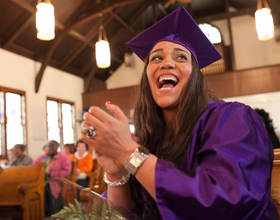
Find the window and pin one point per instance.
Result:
(61, 121)
(211, 32)
(214, 35)
(12, 119)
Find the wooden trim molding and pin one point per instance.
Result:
(245, 82)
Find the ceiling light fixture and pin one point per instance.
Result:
(264, 21)
(45, 22)
(102, 50)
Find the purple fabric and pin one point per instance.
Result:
(226, 173)
(180, 28)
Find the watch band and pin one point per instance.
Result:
(136, 159)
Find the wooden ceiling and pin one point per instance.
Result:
(77, 26)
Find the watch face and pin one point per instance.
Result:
(135, 161)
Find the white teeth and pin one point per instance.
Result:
(165, 88)
(162, 78)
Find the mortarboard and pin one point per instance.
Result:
(178, 27)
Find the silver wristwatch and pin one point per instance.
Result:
(136, 159)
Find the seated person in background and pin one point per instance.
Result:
(68, 149)
(56, 165)
(268, 124)
(85, 162)
(21, 158)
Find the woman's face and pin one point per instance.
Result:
(81, 148)
(66, 150)
(18, 152)
(168, 71)
(52, 148)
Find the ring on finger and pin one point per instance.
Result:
(91, 132)
(84, 129)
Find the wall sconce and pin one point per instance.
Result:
(102, 50)
(45, 22)
(264, 21)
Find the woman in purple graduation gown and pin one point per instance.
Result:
(194, 157)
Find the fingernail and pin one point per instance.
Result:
(108, 102)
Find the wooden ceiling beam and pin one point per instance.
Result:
(89, 77)
(59, 25)
(89, 36)
(86, 67)
(226, 15)
(132, 20)
(162, 9)
(57, 40)
(18, 29)
(21, 50)
(121, 21)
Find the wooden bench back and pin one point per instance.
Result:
(23, 186)
(69, 192)
(96, 182)
(277, 154)
(73, 176)
(275, 185)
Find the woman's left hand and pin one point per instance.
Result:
(113, 137)
(114, 170)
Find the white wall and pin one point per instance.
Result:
(126, 76)
(18, 72)
(270, 102)
(249, 51)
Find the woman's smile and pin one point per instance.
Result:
(168, 72)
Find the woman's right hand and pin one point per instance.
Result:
(114, 170)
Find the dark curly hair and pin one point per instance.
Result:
(268, 124)
(21, 147)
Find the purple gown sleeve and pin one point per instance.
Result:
(226, 173)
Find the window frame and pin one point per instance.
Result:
(4, 149)
(219, 66)
(60, 102)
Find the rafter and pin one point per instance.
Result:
(114, 39)
(32, 10)
(225, 15)
(121, 21)
(17, 29)
(67, 30)
(79, 47)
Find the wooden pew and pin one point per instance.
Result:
(73, 176)
(275, 185)
(69, 192)
(276, 154)
(96, 182)
(22, 192)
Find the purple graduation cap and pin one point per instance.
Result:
(180, 28)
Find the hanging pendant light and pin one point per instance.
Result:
(102, 50)
(45, 22)
(264, 21)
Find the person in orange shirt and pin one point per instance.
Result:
(85, 162)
